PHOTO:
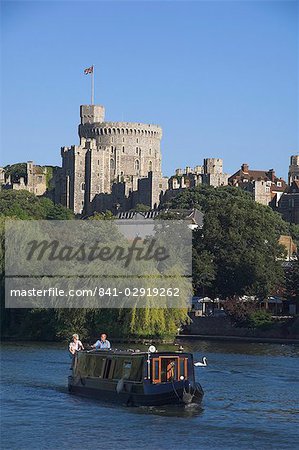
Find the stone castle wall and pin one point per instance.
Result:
(109, 153)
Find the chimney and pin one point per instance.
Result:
(271, 175)
(245, 168)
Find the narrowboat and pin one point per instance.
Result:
(135, 378)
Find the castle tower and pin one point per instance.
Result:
(108, 151)
(294, 169)
(213, 166)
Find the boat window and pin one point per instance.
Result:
(127, 369)
(183, 367)
(136, 369)
(118, 369)
(167, 369)
(82, 366)
(98, 367)
(109, 368)
(156, 370)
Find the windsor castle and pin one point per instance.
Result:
(117, 167)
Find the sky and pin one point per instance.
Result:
(220, 77)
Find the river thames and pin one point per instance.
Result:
(251, 402)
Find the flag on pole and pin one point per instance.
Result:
(88, 70)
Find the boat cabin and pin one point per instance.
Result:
(134, 366)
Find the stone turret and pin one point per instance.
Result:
(108, 152)
(294, 169)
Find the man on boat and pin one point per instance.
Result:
(103, 343)
(75, 345)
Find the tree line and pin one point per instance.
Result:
(235, 253)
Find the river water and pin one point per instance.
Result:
(251, 402)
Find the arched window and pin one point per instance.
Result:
(137, 165)
(150, 166)
(83, 186)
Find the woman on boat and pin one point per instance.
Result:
(76, 345)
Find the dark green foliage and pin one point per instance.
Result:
(16, 171)
(292, 281)
(107, 215)
(294, 232)
(234, 254)
(24, 205)
(260, 319)
(236, 251)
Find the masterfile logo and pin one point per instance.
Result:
(98, 264)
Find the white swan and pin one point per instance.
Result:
(204, 363)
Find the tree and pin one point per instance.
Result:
(292, 281)
(238, 245)
(26, 206)
(16, 171)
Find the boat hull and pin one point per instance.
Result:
(142, 395)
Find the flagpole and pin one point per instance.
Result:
(92, 85)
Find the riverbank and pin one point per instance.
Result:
(281, 330)
(260, 340)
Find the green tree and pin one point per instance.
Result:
(240, 238)
(26, 206)
(16, 171)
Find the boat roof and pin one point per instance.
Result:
(134, 352)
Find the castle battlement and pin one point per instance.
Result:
(119, 129)
(110, 151)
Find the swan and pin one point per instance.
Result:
(204, 363)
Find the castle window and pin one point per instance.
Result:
(112, 164)
(111, 148)
(137, 150)
(150, 151)
(137, 140)
(137, 165)
(83, 186)
(123, 139)
(112, 139)
(123, 149)
(98, 162)
(150, 166)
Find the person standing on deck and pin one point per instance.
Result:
(103, 343)
(75, 345)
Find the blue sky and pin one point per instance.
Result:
(220, 77)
